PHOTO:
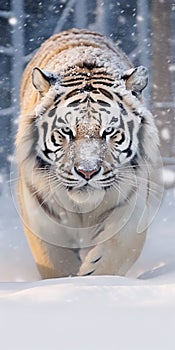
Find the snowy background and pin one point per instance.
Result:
(136, 312)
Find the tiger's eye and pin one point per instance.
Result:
(108, 131)
(66, 131)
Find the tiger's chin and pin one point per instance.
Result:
(85, 194)
(86, 198)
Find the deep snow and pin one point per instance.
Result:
(136, 312)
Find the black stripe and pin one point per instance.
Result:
(130, 125)
(72, 93)
(93, 110)
(107, 179)
(61, 120)
(54, 141)
(106, 93)
(68, 179)
(128, 150)
(46, 151)
(89, 273)
(57, 102)
(96, 260)
(118, 95)
(102, 81)
(74, 103)
(98, 82)
(52, 112)
(41, 163)
(122, 125)
(88, 87)
(44, 126)
(104, 110)
(73, 78)
(54, 123)
(136, 113)
(134, 162)
(114, 119)
(70, 84)
(58, 158)
(123, 110)
(103, 103)
(89, 98)
(56, 97)
(107, 172)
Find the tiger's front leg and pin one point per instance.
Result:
(113, 257)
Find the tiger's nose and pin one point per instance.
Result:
(87, 174)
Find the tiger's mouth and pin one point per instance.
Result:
(89, 188)
(83, 188)
(86, 194)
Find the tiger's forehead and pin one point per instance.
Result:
(90, 80)
(86, 108)
(92, 96)
(88, 97)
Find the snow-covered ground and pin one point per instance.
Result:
(136, 312)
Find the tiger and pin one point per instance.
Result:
(86, 150)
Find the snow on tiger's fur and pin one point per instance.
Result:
(86, 151)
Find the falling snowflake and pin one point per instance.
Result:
(13, 21)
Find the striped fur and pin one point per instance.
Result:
(86, 147)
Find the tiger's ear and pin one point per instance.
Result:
(42, 80)
(136, 79)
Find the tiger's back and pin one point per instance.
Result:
(86, 147)
(51, 56)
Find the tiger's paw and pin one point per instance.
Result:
(93, 261)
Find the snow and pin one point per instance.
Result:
(13, 21)
(168, 177)
(136, 312)
(87, 313)
(165, 134)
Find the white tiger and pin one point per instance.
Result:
(86, 148)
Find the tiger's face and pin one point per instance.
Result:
(89, 134)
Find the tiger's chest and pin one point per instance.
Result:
(62, 223)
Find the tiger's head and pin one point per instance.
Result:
(91, 130)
